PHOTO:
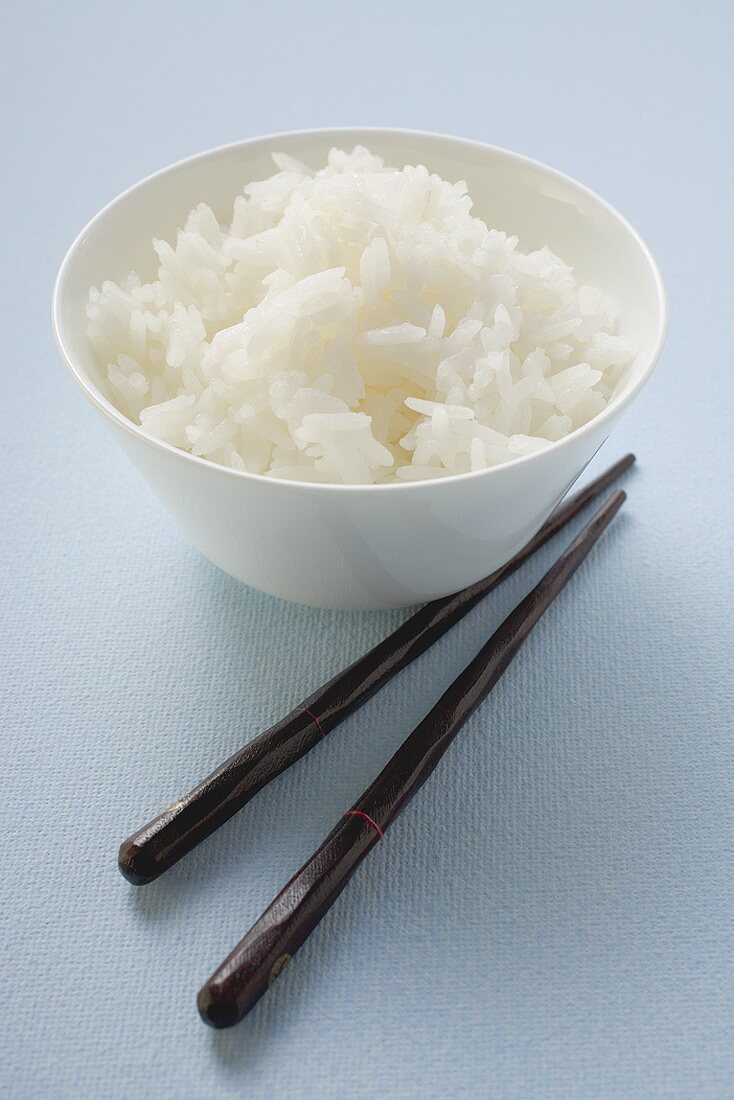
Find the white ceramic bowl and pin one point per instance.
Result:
(365, 546)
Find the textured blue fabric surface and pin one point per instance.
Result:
(552, 916)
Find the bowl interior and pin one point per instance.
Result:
(510, 192)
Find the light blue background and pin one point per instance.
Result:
(552, 916)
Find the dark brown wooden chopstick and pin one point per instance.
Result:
(164, 840)
(257, 959)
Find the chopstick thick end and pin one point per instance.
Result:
(215, 1009)
(134, 865)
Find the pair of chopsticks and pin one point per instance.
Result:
(256, 961)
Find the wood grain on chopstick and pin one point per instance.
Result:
(247, 972)
(164, 840)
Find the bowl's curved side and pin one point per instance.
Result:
(354, 550)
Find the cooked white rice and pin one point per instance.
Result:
(355, 324)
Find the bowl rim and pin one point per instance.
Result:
(615, 406)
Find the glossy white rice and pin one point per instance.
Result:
(355, 324)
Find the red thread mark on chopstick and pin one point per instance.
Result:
(311, 714)
(368, 819)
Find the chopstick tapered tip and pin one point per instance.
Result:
(608, 510)
(215, 1008)
(621, 466)
(134, 865)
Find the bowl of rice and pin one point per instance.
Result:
(359, 366)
